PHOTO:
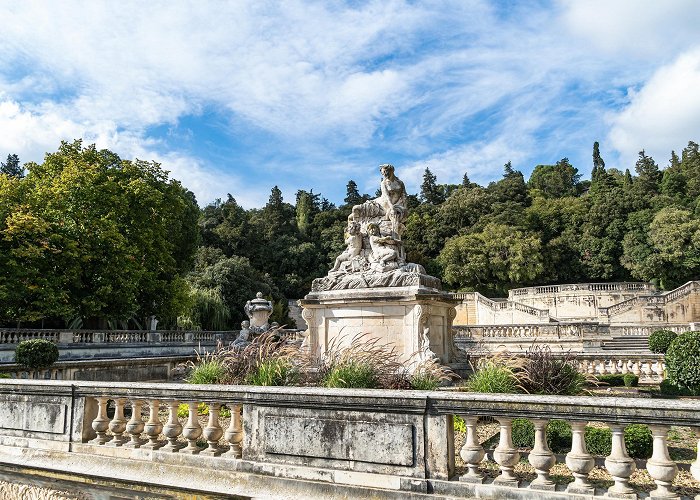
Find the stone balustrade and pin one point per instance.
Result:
(15, 336)
(591, 287)
(532, 330)
(321, 443)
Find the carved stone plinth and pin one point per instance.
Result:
(416, 320)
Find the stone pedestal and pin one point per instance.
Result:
(416, 320)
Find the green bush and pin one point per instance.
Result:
(210, 371)
(683, 361)
(36, 354)
(612, 380)
(459, 424)
(660, 341)
(558, 434)
(183, 410)
(668, 388)
(630, 379)
(352, 375)
(5, 375)
(598, 440)
(492, 378)
(273, 372)
(638, 441)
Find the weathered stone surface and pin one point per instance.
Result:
(340, 439)
(32, 415)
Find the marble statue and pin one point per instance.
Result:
(375, 254)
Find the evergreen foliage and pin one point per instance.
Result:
(683, 361)
(36, 354)
(660, 341)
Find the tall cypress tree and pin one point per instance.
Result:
(12, 168)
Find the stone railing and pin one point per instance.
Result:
(645, 330)
(591, 287)
(14, 336)
(509, 305)
(535, 330)
(651, 300)
(321, 443)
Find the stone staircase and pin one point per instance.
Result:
(627, 343)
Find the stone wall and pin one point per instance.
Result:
(290, 442)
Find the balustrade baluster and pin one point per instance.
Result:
(620, 465)
(153, 427)
(579, 461)
(541, 457)
(660, 466)
(505, 455)
(636, 368)
(234, 433)
(172, 429)
(118, 423)
(472, 452)
(213, 431)
(135, 425)
(101, 422)
(192, 430)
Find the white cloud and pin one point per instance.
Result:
(663, 115)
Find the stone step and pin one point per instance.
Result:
(630, 342)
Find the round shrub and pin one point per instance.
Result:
(558, 434)
(612, 380)
(660, 340)
(631, 380)
(598, 440)
(523, 433)
(638, 441)
(36, 354)
(683, 361)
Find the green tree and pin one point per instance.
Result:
(555, 181)
(97, 237)
(353, 196)
(430, 191)
(498, 258)
(12, 168)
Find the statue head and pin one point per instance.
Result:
(353, 228)
(387, 170)
(372, 228)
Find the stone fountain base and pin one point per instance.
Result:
(416, 320)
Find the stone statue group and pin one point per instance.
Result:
(375, 254)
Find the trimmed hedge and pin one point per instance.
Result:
(36, 354)
(630, 379)
(660, 341)
(616, 380)
(638, 439)
(683, 361)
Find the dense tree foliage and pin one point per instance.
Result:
(86, 234)
(89, 236)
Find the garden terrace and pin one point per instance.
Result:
(319, 443)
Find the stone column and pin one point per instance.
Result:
(505, 455)
(192, 430)
(153, 427)
(135, 425)
(579, 461)
(101, 422)
(660, 466)
(234, 433)
(620, 465)
(213, 431)
(172, 429)
(118, 423)
(541, 457)
(472, 452)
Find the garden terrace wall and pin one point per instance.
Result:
(316, 443)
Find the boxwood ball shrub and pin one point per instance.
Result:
(660, 341)
(683, 361)
(36, 354)
(630, 379)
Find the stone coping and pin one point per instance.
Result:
(585, 408)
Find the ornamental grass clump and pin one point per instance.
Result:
(207, 370)
(360, 362)
(543, 372)
(493, 375)
(428, 375)
(36, 354)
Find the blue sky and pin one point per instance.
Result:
(235, 97)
